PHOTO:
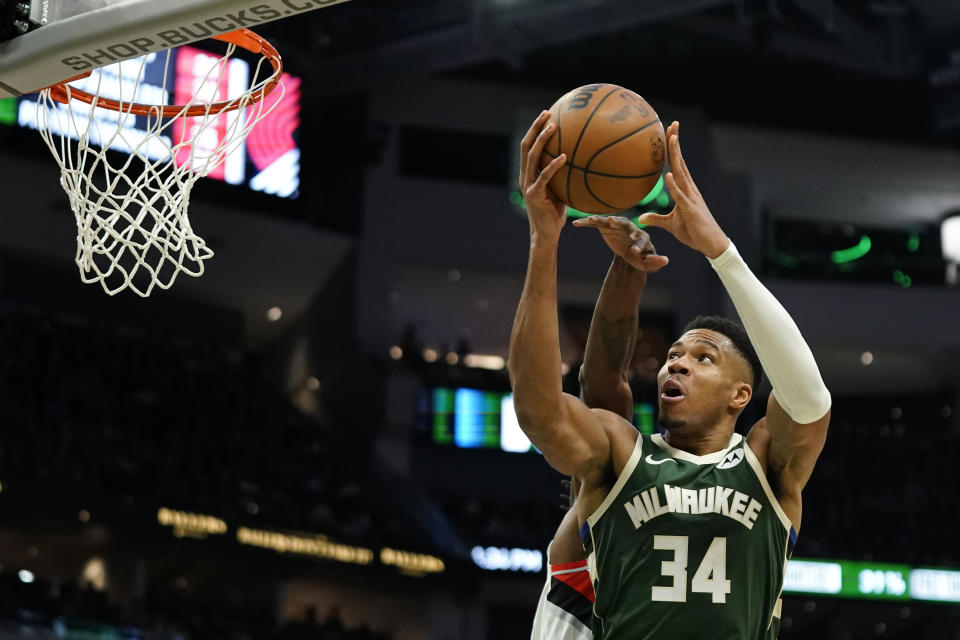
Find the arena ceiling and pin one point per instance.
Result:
(886, 37)
(761, 60)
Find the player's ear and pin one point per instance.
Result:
(742, 393)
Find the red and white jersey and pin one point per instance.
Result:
(565, 609)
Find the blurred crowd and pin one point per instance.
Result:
(165, 422)
(885, 486)
(46, 610)
(172, 422)
(499, 520)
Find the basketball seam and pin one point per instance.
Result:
(618, 141)
(586, 171)
(583, 130)
(602, 174)
(586, 183)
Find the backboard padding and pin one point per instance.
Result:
(81, 35)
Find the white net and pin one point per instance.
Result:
(128, 177)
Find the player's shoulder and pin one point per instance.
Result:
(618, 430)
(622, 436)
(758, 437)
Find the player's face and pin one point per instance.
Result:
(698, 380)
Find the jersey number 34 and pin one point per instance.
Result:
(710, 577)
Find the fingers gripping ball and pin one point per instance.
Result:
(615, 148)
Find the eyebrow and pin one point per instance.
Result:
(715, 346)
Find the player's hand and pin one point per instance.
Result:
(629, 242)
(690, 222)
(546, 213)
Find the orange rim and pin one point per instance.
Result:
(243, 38)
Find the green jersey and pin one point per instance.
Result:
(688, 546)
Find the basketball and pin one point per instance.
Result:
(615, 148)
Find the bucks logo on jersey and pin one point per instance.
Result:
(684, 543)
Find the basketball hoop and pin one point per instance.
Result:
(133, 230)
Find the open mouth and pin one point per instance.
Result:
(672, 392)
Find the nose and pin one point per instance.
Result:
(678, 366)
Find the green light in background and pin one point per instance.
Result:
(872, 580)
(654, 193)
(853, 253)
(848, 579)
(913, 243)
(902, 279)
(787, 261)
(443, 407)
(8, 111)
(643, 418)
(663, 199)
(516, 198)
(861, 580)
(490, 431)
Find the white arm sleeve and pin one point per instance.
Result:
(785, 356)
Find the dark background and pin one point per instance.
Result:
(808, 124)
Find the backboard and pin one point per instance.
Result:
(77, 36)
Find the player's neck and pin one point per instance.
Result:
(700, 443)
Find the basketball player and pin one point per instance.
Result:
(687, 534)
(565, 608)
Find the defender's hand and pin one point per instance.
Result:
(547, 215)
(632, 244)
(690, 222)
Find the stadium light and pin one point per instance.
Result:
(950, 238)
(479, 361)
(950, 245)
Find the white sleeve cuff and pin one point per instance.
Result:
(784, 354)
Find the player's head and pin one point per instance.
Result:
(709, 375)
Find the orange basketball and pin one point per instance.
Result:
(615, 147)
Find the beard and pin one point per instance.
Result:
(671, 423)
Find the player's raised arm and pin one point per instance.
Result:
(799, 406)
(605, 374)
(571, 436)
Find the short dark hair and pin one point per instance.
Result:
(738, 337)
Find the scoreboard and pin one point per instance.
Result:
(871, 580)
(480, 419)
